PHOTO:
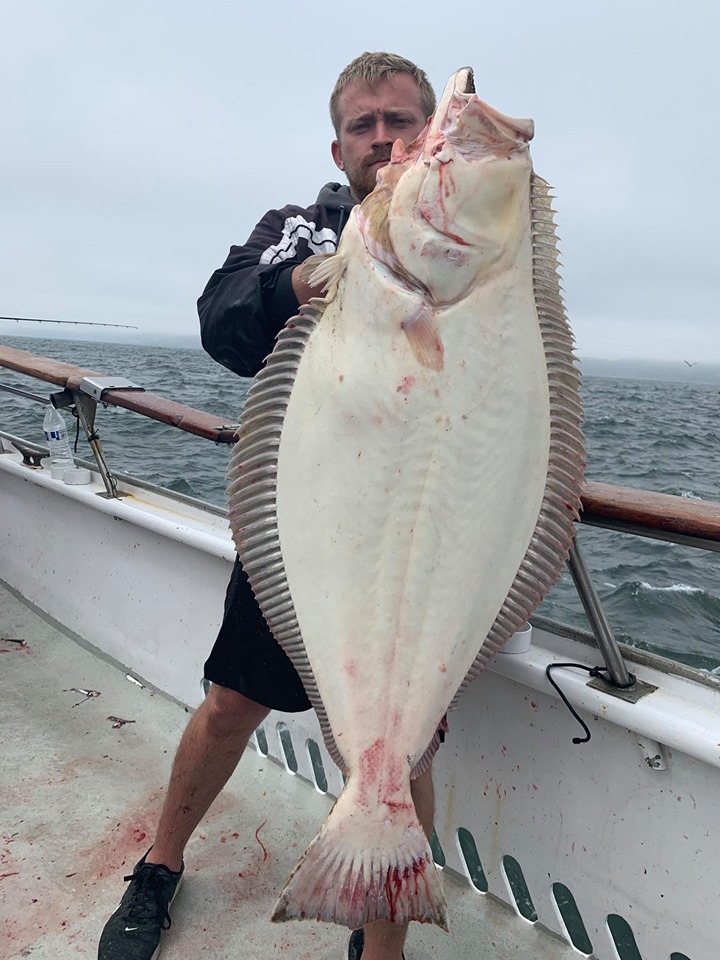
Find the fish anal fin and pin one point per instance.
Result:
(366, 864)
(424, 338)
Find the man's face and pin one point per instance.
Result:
(371, 120)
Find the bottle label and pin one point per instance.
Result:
(52, 435)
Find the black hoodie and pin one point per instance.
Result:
(249, 299)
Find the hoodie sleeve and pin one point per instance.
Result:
(247, 301)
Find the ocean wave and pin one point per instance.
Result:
(685, 605)
(642, 563)
(673, 588)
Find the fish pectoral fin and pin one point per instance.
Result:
(323, 270)
(424, 338)
(310, 265)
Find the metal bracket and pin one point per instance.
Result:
(86, 407)
(632, 694)
(95, 387)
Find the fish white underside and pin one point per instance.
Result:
(407, 497)
(396, 515)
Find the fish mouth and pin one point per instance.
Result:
(473, 126)
(466, 80)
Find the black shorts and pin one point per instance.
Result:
(246, 656)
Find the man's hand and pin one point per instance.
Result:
(303, 290)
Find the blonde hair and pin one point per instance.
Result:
(369, 69)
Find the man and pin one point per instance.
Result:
(377, 99)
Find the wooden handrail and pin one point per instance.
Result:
(659, 515)
(43, 368)
(148, 404)
(176, 414)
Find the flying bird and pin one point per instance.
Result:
(693, 364)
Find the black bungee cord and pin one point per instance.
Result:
(600, 673)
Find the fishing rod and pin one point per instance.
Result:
(77, 323)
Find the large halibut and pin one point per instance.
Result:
(406, 480)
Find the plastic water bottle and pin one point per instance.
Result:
(56, 437)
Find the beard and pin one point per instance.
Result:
(362, 176)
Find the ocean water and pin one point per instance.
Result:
(655, 435)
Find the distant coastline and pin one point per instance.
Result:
(636, 369)
(626, 369)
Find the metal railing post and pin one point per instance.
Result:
(86, 408)
(601, 628)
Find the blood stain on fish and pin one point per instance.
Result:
(406, 386)
(369, 758)
(396, 878)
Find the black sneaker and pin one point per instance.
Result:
(133, 931)
(357, 942)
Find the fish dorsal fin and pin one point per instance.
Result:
(552, 538)
(252, 498)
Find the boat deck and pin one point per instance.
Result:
(80, 798)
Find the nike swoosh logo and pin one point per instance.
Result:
(128, 929)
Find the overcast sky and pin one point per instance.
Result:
(141, 139)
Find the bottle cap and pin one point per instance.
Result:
(77, 475)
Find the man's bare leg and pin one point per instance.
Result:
(209, 751)
(383, 940)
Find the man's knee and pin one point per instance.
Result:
(229, 713)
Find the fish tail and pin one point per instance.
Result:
(363, 867)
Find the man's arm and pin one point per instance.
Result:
(247, 302)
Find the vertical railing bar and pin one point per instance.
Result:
(602, 631)
(86, 408)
